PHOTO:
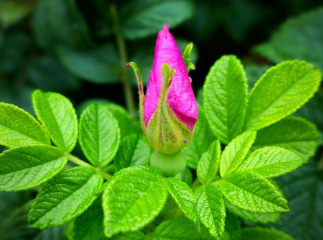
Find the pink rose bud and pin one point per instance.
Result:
(169, 110)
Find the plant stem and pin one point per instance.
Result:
(123, 56)
(79, 162)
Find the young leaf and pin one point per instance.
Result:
(18, 127)
(133, 198)
(134, 150)
(259, 233)
(235, 152)
(99, 135)
(65, 197)
(29, 166)
(180, 228)
(89, 225)
(184, 197)
(58, 116)
(271, 162)
(225, 98)
(202, 138)
(281, 91)
(187, 57)
(295, 134)
(211, 209)
(208, 165)
(253, 192)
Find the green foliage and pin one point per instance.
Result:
(57, 115)
(133, 198)
(185, 199)
(271, 162)
(18, 127)
(253, 192)
(225, 98)
(295, 134)
(259, 233)
(211, 209)
(281, 91)
(202, 138)
(99, 135)
(29, 166)
(208, 165)
(180, 228)
(65, 197)
(134, 150)
(232, 226)
(235, 152)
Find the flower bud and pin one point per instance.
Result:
(168, 112)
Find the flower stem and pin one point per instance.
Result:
(79, 162)
(123, 56)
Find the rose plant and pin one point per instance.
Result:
(138, 187)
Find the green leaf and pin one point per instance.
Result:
(297, 38)
(208, 165)
(100, 65)
(253, 216)
(281, 91)
(211, 209)
(65, 197)
(185, 199)
(180, 228)
(29, 166)
(143, 18)
(129, 236)
(59, 22)
(88, 226)
(133, 198)
(235, 152)
(13, 11)
(253, 192)
(225, 98)
(295, 134)
(18, 127)
(271, 162)
(202, 138)
(57, 115)
(99, 135)
(232, 226)
(303, 189)
(259, 233)
(187, 56)
(134, 150)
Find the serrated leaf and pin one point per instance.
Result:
(271, 162)
(133, 198)
(281, 91)
(185, 199)
(253, 216)
(297, 38)
(232, 226)
(89, 225)
(202, 138)
(235, 152)
(295, 134)
(253, 192)
(99, 135)
(303, 189)
(211, 209)
(225, 98)
(18, 127)
(57, 115)
(208, 165)
(143, 18)
(260, 233)
(29, 166)
(180, 228)
(134, 150)
(65, 197)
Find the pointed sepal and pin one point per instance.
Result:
(187, 57)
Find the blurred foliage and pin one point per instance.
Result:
(79, 48)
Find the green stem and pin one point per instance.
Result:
(123, 55)
(79, 162)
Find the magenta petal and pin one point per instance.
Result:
(180, 97)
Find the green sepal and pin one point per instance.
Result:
(187, 57)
